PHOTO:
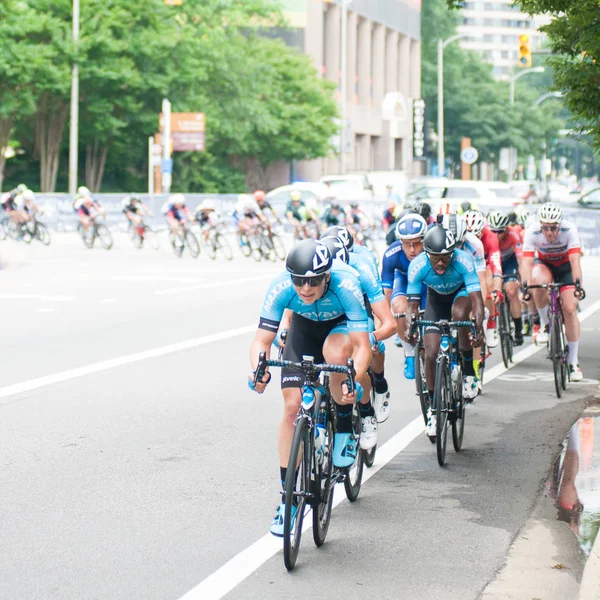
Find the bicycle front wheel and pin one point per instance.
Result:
(244, 244)
(191, 242)
(296, 488)
(88, 237)
(505, 337)
(441, 400)
(42, 234)
(420, 382)
(556, 354)
(353, 479)
(105, 237)
(323, 491)
(223, 246)
(279, 247)
(210, 245)
(458, 420)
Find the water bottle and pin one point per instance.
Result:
(454, 372)
(320, 433)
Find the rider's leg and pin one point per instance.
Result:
(512, 294)
(461, 311)
(572, 324)
(541, 275)
(398, 305)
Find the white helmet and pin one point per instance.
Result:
(456, 224)
(177, 199)
(475, 221)
(83, 191)
(28, 196)
(550, 213)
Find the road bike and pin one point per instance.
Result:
(448, 403)
(506, 326)
(95, 231)
(311, 475)
(215, 242)
(141, 234)
(184, 238)
(558, 349)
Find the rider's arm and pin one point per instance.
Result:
(261, 343)
(478, 308)
(361, 352)
(387, 324)
(575, 260)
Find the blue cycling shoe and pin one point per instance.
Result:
(409, 367)
(398, 341)
(345, 449)
(277, 523)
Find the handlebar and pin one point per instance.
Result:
(308, 367)
(579, 291)
(443, 324)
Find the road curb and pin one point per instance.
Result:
(590, 582)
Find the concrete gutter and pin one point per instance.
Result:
(590, 582)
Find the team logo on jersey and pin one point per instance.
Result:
(321, 257)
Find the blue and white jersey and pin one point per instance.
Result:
(460, 273)
(344, 297)
(368, 254)
(474, 246)
(369, 281)
(395, 263)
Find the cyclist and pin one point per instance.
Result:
(207, 218)
(454, 293)
(377, 307)
(247, 214)
(476, 224)
(87, 210)
(391, 215)
(298, 214)
(511, 250)
(334, 215)
(328, 322)
(264, 205)
(82, 193)
(178, 212)
(410, 231)
(134, 209)
(552, 252)
(8, 200)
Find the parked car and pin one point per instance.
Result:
(353, 186)
(312, 194)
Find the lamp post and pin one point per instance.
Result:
(548, 95)
(74, 125)
(440, 77)
(343, 52)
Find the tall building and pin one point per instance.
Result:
(499, 25)
(383, 56)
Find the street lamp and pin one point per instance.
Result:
(514, 78)
(74, 125)
(548, 95)
(343, 51)
(441, 45)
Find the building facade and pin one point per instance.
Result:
(498, 25)
(383, 58)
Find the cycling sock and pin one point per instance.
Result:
(366, 410)
(283, 473)
(381, 385)
(518, 324)
(573, 353)
(535, 318)
(409, 350)
(543, 312)
(344, 418)
(476, 365)
(467, 360)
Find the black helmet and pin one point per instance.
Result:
(342, 233)
(309, 258)
(423, 209)
(336, 248)
(439, 241)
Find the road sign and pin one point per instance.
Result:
(187, 142)
(186, 122)
(469, 155)
(166, 165)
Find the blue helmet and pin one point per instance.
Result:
(411, 227)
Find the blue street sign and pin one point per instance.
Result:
(166, 165)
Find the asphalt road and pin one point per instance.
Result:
(135, 463)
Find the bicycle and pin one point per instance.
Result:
(311, 475)
(38, 230)
(216, 242)
(138, 234)
(95, 231)
(448, 403)
(184, 238)
(558, 350)
(506, 327)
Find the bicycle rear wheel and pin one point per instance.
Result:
(191, 242)
(210, 245)
(420, 382)
(105, 237)
(42, 234)
(458, 417)
(279, 247)
(177, 243)
(441, 401)
(353, 479)
(244, 244)
(505, 337)
(135, 237)
(3, 225)
(296, 487)
(223, 246)
(323, 491)
(556, 354)
(87, 237)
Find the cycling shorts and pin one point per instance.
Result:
(175, 214)
(439, 306)
(560, 273)
(83, 211)
(510, 268)
(305, 338)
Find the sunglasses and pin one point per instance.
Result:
(411, 244)
(315, 281)
(445, 258)
(549, 227)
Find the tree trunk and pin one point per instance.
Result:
(256, 174)
(50, 121)
(5, 130)
(95, 162)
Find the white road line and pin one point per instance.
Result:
(120, 361)
(204, 286)
(43, 298)
(241, 566)
(158, 278)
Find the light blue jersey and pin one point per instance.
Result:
(365, 253)
(459, 274)
(369, 281)
(344, 296)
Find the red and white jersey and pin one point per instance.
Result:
(492, 251)
(555, 252)
(511, 244)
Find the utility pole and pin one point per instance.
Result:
(74, 126)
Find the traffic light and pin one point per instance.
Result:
(173, 2)
(524, 51)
